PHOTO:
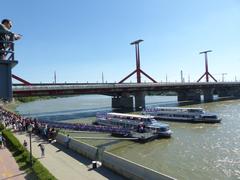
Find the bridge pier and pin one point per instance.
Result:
(225, 93)
(6, 66)
(189, 95)
(235, 92)
(208, 95)
(123, 102)
(229, 92)
(139, 100)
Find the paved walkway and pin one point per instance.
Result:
(66, 164)
(8, 167)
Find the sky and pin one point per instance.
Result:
(83, 39)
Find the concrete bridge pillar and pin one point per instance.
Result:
(139, 100)
(189, 95)
(125, 101)
(235, 92)
(224, 93)
(6, 79)
(208, 95)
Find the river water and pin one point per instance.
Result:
(195, 151)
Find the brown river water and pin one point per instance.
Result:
(195, 151)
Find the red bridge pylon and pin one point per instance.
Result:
(207, 74)
(138, 69)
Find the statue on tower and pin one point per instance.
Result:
(6, 38)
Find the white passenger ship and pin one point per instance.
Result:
(197, 115)
(139, 123)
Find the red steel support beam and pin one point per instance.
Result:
(21, 80)
(138, 70)
(128, 76)
(207, 74)
(138, 63)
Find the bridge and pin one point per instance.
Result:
(124, 95)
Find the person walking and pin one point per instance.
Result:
(1, 141)
(42, 148)
(6, 35)
(4, 143)
(25, 144)
(67, 141)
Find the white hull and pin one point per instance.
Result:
(193, 115)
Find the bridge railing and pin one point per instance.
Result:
(114, 86)
(86, 86)
(7, 48)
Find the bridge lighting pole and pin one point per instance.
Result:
(55, 77)
(138, 70)
(223, 74)
(207, 74)
(182, 76)
(30, 128)
(102, 78)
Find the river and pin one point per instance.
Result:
(195, 151)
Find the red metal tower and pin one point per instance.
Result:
(207, 74)
(138, 69)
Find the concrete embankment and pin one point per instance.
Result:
(117, 164)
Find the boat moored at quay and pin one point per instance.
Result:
(141, 126)
(193, 115)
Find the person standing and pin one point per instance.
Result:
(67, 141)
(4, 143)
(1, 141)
(6, 35)
(42, 148)
(25, 144)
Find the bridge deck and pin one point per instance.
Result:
(113, 88)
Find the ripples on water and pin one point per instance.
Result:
(195, 151)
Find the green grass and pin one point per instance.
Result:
(34, 98)
(1, 127)
(22, 157)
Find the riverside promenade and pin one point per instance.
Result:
(8, 167)
(64, 163)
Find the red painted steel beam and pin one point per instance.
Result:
(21, 80)
(128, 76)
(149, 77)
(138, 70)
(207, 74)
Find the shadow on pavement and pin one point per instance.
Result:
(14, 176)
(108, 174)
(101, 170)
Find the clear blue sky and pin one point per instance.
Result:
(80, 39)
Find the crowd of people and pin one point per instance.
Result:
(89, 127)
(20, 123)
(49, 129)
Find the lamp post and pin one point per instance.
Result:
(30, 128)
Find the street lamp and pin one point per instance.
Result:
(30, 128)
